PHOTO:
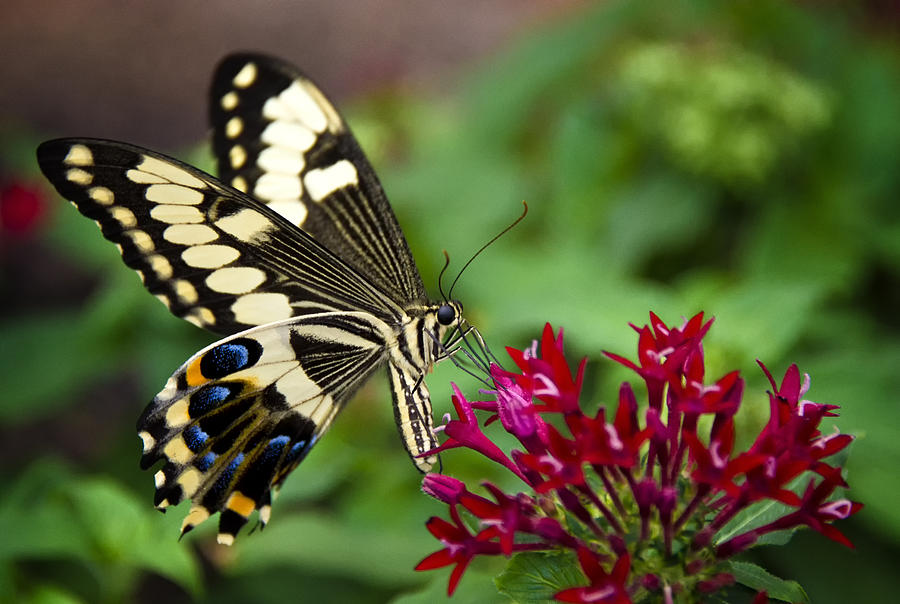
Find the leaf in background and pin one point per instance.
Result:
(535, 577)
(759, 579)
(475, 588)
(52, 513)
(322, 543)
(45, 360)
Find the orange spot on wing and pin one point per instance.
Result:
(240, 503)
(193, 374)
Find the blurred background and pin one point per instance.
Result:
(737, 158)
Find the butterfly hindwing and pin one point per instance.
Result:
(213, 255)
(277, 137)
(239, 415)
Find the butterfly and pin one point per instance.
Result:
(295, 256)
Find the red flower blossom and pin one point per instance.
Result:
(22, 208)
(661, 480)
(605, 587)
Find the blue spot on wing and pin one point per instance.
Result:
(230, 357)
(276, 446)
(220, 489)
(205, 462)
(299, 450)
(195, 438)
(208, 398)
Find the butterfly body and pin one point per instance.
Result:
(294, 255)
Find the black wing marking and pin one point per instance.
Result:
(277, 137)
(213, 255)
(240, 415)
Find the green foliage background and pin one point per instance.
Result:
(737, 158)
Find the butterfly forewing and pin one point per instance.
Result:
(212, 254)
(277, 137)
(294, 254)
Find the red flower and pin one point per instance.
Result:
(605, 587)
(465, 432)
(616, 491)
(22, 208)
(547, 374)
(460, 546)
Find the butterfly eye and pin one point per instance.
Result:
(446, 314)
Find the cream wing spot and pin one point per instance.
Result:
(79, 155)
(293, 210)
(144, 178)
(197, 515)
(101, 195)
(186, 292)
(176, 214)
(235, 280)
(258, 309)
(169, 193)
(274, 109)
(237, 156)
(177, 415)
(169, 389)
(246, 76)
(209, 256)
(189, 234)
(246, 225)
(273, 185)
(230, 100)
(161, 267)
(201, 317)
(190, 481)
(225, 539)
(141, 240)
(177, 451)
(239, 183)
(304, 107)
(164, 299)
(159, 479)
(323, 182)
(280, 159)
(234, 127)
(79, 176)
(288, 134)
(265, 513)
(123, 216)
(147, 439)
(169, 172)
(335, 123)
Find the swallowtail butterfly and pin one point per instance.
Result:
(294, 255)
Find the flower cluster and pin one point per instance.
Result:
(640, 498)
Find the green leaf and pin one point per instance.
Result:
(48, 594)
(755, 516)
(535, 577)
(756, 577)
(43, 361)
(51, 512)
(317, 541)
(474, 588)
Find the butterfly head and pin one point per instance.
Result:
(448, 313)
(445, 322)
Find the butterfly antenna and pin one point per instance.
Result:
(441, 275)
(485, 246)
